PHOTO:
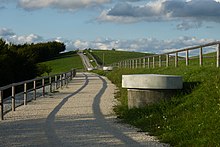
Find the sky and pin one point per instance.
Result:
(154, 26)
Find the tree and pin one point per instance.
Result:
(19, 62)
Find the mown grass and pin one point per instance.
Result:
(112, 56)
(64, 62)
(191, 118)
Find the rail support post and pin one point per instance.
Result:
(35, 90)
(176, 59)
(167, 60)
(153, 62)
(148, 62)
(200, 57)
(144, 63)
(50, 83)
(55, 84)
(13, 98)
(187, 57)
(160, 61)
(61, 81)
(43, 87)
(25, 93)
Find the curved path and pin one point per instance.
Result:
(79, 115)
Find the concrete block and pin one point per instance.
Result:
(151, 81)
(138, 98)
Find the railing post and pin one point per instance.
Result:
(148, 60)
(133, 63)
(153, 62)
(144, 62)
(167, 60)
(201, 57)
(66, 79)
(71, 73)
(13, 98)
(187, 57)
(160, 61)
(43, 87)
(176, 59)
(35, 90)
(50, 83)
(1, 104)
(61, 81)
(25, 93)
(140, 63)
(136, 63)
(55, 84)
(218, 54)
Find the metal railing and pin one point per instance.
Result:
(150, 61)
(12, 91)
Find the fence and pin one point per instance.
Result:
(13, 91)
(150, 61)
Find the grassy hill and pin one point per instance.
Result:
(112, 56)
(64, 62)
(191, 118)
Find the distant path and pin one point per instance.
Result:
(85, 61)
(80, 115)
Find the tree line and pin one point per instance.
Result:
(20, 62)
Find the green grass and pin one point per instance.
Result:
(191, 118)
(111, 56)
(64, 63)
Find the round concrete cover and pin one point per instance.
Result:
(152, 81)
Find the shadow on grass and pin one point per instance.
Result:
(188, 87)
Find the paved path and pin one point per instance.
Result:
(85, 60)
(80, 115)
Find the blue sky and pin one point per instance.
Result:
(135, 25)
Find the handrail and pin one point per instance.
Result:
(133, 63)
(60, 80)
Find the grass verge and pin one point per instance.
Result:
(191, 118)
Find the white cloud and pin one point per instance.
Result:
(165, 10)
(150, 45)
(60, 4)
(31, 38)
(10, 36)
(6, 32)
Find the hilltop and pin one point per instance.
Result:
(107, 57)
